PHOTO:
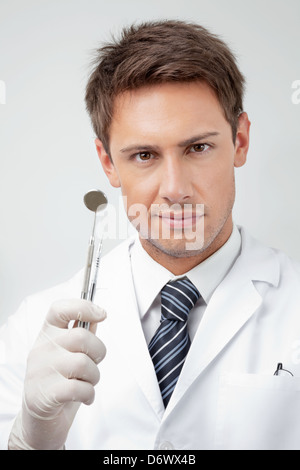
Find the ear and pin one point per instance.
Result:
(107, 164)
(242, 140)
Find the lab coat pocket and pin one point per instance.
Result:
(257, 412)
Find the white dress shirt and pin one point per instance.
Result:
(149, 277)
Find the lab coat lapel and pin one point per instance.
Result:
(233, 303)
(227, 312)
(127, 330)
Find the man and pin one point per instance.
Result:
(198, 331)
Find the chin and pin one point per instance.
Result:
(186, 249)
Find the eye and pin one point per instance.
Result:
(143, 156)
(199, 148)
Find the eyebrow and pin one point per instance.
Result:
(184, 143)
(196, 138)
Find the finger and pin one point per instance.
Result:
(62, 312)
(72, 390)
(80, 340)
(77, 366)
(92, 326)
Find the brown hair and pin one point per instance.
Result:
(159, 52)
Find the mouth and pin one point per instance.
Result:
(180, 221)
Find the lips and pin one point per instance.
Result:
(180, 220)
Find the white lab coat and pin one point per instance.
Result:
(227, 396)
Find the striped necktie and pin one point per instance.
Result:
(170, 344)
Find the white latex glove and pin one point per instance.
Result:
(61, 374)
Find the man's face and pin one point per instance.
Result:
(173, 157)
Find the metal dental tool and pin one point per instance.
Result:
(95, 200)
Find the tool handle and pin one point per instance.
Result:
(86, 280)
(88, 267)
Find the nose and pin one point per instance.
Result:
(176, 185)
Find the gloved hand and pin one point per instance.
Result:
(61, 374)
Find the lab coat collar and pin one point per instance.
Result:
(205, 276)
(257, 261)
(116, 294)
(146, 271)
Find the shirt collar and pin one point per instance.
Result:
(149, 277)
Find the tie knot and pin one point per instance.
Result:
(177, 299)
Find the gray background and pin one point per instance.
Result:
(47, 155)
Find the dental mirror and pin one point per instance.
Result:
(95, 200)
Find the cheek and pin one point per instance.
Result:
(138, 193)
(139, 188)
(226, 192)
(218, 183)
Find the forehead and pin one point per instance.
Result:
(166, 105)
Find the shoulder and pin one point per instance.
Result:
(72, 287)
(289, 270)
(34, 307)
(267, 262)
